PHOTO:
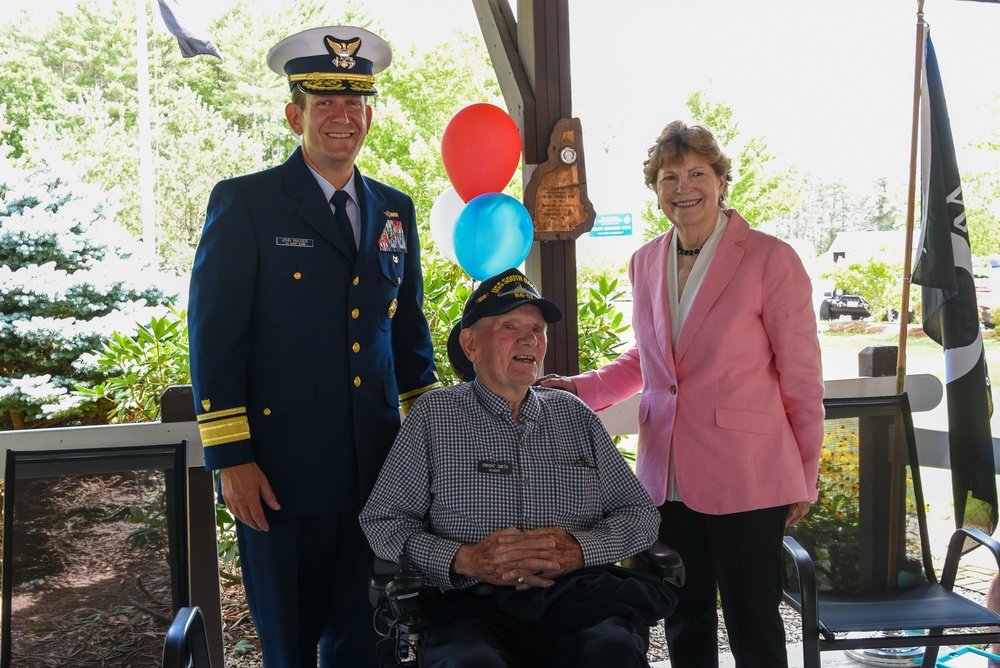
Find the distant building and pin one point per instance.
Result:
(858, 247)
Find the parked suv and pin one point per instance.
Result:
(838, 303)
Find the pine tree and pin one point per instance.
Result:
(69, 277)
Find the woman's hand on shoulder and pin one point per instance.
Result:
(558, 382)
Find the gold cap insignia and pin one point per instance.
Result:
(343, 51)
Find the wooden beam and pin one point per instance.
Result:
(543, 42)
(531, 58)
(496, 21)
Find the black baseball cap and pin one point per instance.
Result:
(496, 295)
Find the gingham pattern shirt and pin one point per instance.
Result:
(462, 468)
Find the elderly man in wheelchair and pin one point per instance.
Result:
(512, 503)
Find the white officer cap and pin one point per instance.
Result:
(334, 60)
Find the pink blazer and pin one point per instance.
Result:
(738, 403)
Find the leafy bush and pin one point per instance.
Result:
(830, 531)
(601, 324)
(68, 277)
(146, 364)
(446, 287)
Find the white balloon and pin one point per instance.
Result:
(444, 215)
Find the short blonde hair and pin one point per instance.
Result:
(676, 141)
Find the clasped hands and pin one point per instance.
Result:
(524, 559)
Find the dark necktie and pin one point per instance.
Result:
(339, 201)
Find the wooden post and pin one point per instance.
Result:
(177, 405)
(881, 484)
(531, 59)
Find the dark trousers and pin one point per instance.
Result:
(741, 555)
(480, 635)
(307, 587)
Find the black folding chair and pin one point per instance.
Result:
(861, 573)
(186, 644)
(95, 556)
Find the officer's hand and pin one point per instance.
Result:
(243, 487)
(561, 382)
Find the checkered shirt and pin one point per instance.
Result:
(462, 468)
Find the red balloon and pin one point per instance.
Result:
(481, 149)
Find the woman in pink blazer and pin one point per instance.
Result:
(731, 416)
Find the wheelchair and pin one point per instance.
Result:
(400, 599)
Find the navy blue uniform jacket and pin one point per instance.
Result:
(302, 350)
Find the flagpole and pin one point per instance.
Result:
(904, 310)
(147, 201)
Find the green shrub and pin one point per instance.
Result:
(601, 324)
(140, 367)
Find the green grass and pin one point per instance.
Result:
(860, 335)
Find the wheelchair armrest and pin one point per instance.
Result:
(383, 571)
(397, 593)
(660, 560)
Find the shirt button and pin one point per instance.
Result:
(297, 275)
(356, 347)
(356, 280)
(355, 313)
(525, 482)
(357, 381)
(673, 389)
(267, 411)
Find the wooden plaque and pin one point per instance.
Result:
(556, 194)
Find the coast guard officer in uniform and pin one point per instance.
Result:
(307, 338)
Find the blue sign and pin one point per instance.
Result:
(612, 225)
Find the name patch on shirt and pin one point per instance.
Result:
(499, 468)
(293, 242)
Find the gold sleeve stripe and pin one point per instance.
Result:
(410, 396)
(406, 400)
(220, 432)
(405, 406)
(229, 412)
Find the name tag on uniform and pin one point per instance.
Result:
(293, 242)
(501, 468)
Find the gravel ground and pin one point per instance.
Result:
(658, 643)
(243, 650)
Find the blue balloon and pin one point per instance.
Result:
(493, 232)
